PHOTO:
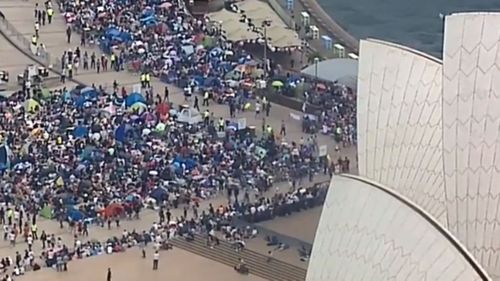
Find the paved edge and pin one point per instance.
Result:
(30, 54)
(330, 25)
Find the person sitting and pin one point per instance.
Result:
(241, 267)
(189, 236)
(166, 245)
(272, 240)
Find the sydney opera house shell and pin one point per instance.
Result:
(425, 205)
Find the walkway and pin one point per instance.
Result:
(326, 25)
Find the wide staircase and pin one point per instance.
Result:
(257, 264)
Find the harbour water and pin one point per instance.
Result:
(413, 23)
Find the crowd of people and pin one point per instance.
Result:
(162, 39)
(90, 154)
(108, 153)
(213, 223)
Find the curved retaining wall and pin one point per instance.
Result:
(327, 23)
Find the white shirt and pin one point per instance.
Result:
(156, 256)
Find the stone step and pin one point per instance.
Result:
(259, 257)
(274, 270)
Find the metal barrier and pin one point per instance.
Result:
(24, 43)
(282, 238)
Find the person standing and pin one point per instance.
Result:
(68, 34)
(156, 259)
(50, 13)
(206, 96)
(196, 105)
(108, 276)
(283, 128)
(44, 16)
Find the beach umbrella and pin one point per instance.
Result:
(160, 127)
(134, 98)
(138, 107)
(31, 105)
(166, 5)
(277, 84)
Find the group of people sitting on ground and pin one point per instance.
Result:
(163, 39)
(84, 153)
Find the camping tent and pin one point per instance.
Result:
(74, 214)
(31, 105)
(89, 93)
(46, 212)
(159, 194)
(114, 209)
(134, 98)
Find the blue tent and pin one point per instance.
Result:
(80, 101)
(89, 93)
(159, 194)
(126, 37)
(74, 214)
(112, 32)
(80, 132)
(189, 162)
(105, 45)
(133, 98)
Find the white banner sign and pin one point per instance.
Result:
(136, 88)
(242, 123)
(323, 150)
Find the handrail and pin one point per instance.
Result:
(42, 54)
(25, 48)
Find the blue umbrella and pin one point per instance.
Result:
(133, 98)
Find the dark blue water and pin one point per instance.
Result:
(413, 23)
